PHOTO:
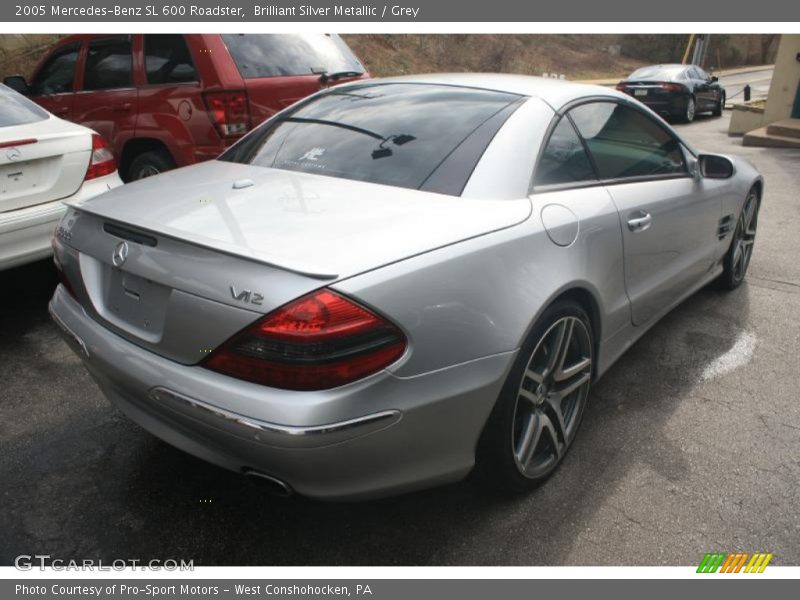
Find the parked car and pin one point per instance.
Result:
(395, 281)
(676, 91)
(44, 162)
(167, 100)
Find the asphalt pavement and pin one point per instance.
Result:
(691, 444)
(758, 80)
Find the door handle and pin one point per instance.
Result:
(124, 107)
(640, 222)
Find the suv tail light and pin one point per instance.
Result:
(229, 112)
(318, 341)
(102, 161)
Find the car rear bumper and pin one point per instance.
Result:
(379, 436)
(25, 233)
(673, 105)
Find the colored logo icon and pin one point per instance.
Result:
(734, 562)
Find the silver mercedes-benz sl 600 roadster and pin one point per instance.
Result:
(394, 283)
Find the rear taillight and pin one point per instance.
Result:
(102, 161)
(229, 112)
(62, 278)
(622, 87)
(319, 341)
(671, 87)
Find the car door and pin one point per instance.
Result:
(703, 91)
(669, 218)
(53, 85)
(107, 100)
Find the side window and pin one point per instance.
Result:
(695, 73)
(57, 74)
(167, 59)
(564, 159)
(108, 64)
(627, 143)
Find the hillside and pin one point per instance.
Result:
(578, 56)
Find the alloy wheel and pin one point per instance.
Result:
(690, 109)
(551, 397)
(745, 237)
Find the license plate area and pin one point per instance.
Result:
(136, 304)
(16, 178)
(640, 92)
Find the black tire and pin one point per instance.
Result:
(717, 112)
(148, 164)
(502, 443)
(737, 258)
(690, 111)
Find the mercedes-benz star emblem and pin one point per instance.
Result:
(120, 254)
(13, 154)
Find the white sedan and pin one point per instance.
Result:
(44, 162)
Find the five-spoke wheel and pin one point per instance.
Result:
(741, 249)
(539, 411)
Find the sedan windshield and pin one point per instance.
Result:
(658, 73)
(415, 136)
(16, 109)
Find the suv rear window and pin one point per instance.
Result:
(399, 134)
(273, 55)
(16, 109)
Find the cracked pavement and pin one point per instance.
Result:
(691, 443)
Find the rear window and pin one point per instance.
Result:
(16, 109)
(274, 55)
(658, 73)
(405, 135)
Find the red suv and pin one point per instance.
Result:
(172, 100)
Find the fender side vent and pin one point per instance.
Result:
(725, 226)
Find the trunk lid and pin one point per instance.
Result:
(210, 248)
(319, 226)
(41, 162)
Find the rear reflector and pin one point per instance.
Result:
(102, 161)
(229, 112)
(319, 341)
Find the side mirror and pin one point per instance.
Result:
(713, 166)
(17, 83)
(714, 79)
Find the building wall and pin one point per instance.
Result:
(785, 80)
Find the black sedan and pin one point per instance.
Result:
(676, 91)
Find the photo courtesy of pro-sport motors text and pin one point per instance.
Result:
(305, 300)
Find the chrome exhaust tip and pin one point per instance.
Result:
(275, 486)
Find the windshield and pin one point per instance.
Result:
(658, 73)
(16, 109)
(273, 55)
(396, 134)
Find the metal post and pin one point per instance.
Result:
(747, 92)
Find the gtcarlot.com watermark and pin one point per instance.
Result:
(29, 562)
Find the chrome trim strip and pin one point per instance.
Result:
(265, 432)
